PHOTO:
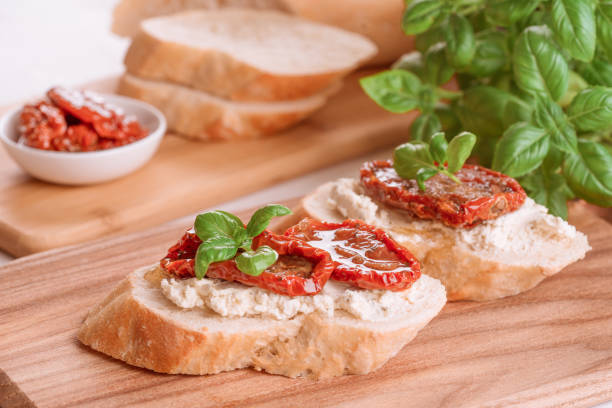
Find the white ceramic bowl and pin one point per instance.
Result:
(78, 168)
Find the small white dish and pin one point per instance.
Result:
(79, 168)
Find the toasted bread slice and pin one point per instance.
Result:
(245, 55)
(140, 326)
(197, 115)
(497, 258)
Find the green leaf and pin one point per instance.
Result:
(409, 158)
(420, 15)
(481, 110)
(597, 72)
(423, 175)
(459, 149)
(214, 249)
(460, 42)
(490, 55)
(423, 41)
(553, 160)
(573, 22)
(412, 62)
(589, 173)
(261, 218)
(517, 110)
(521, 149)
(604, 27)
(591, 109)
(254, 263)
(219, 224)
(538, 66)
(508, 12)
(395, 90)
(550, 117)
(575, 84)
(549, 190)
(437, 70)
(437, 147)
(448, 119)
(424, 127)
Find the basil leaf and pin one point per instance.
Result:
(521, 149)
(409, 158)
(575, 85)
(604, 27)
(591, 109)
(490, 55)
(459, 149)
(553, 160)
(412, 62)
(424, 127)
(597, 72)
(254, 263)
(423, 175)
(549, 116)
(460, 42)
(437, 70)
(516, 110)
(589, 173)
(214, 249)
(219, 224)
(261, 218)
(423, 41)
(538, 66)
(420, 15)
(448, 119)
(507, 12)
(573, 23)
(437, 148)
(395, 90)
(481, 110)
(549, 190)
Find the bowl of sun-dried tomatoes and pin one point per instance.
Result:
(80, 137)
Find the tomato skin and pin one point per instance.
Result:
(180, 262)
(366, 278)
(451, 209)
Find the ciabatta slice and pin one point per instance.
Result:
(497, 258)
(197, 115)
(245, 55)
(140, 326)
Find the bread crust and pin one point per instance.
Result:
(136, 324)
(196, 117)
(221, 74)
(465, 274)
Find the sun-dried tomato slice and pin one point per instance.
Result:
(365, 256)
(301, 269)
(40, 124)
(484, 194)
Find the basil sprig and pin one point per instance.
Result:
(421, 161)
(224, 237)
(536, 87)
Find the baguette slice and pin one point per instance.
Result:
(245, 55)
(138, 325)
(497, 258)
(197, 115)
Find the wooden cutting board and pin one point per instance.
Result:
(548, 347)
(187, 176)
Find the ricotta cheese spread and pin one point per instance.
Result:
(508, 238)
(231, 299)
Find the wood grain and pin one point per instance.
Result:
(186, 176)
(548, 347)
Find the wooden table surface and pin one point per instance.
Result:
(548, 347)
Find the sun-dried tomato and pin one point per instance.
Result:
(483, 194)
(76, 121)
(365, 256)
(300, 270)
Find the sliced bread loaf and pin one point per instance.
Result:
(497, 258)
(140, 326)
(198, 115)
(245, 55)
